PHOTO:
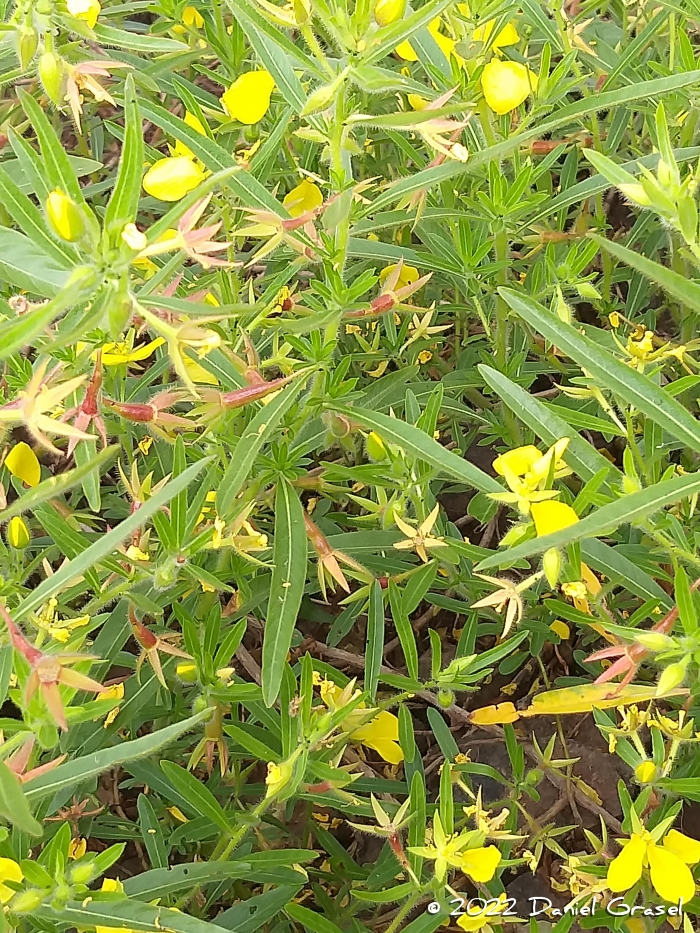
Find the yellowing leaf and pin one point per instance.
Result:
(582, 699)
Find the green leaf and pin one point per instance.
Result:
(286, 587)
(13, 803)
(31, 221)
(124, 914)
(625, 510)
(161, 882)
(385, 40)
(677, 286)
(135, 42)
(310, 920)
(635, 388)
(263, 426)
(199, 797)
(105, 545)
(28, 267)
(71, 774)
(124, 203)
(404, 630)
(375, 639)
(56, 164)
(416, 442)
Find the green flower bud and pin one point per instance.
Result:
(375, 447)
(82, 873)
(551, 564)
(27, 42)
(655, 641)
(445, 698)
(51, 73)
(671, 678)
(26, 901)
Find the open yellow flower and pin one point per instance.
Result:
(668, 864)
(479, 917)
(87, 10)
(380, 734)
(406, 51)
(192, 17)
(506, 85)
(528, 472)
(171, 178)
(9, 871)
(462, 850)
(507, 36)
(248, 98)
(408, 275)
(23, 463)
(304, 198)
(117, 354)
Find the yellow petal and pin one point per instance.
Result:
(408, 275)
(507, 36)
(506, 85)
(560, 628)
(17, 533)
(518, 461)
(687, 849)
(405, 51)
(87, 10)
(670, 876)
(9, 871)
(472, 923)
(626, 870)
(23, 463)
(552, 516)
(305, 197)
(248, 98)
(192, 17)
(481, 864)
(494, 715)
(171, 179)
(198, 373)
(389, 751)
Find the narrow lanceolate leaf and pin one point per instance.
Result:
(199, 797)
(608, 371)
(416, 442)
(375, 638)
(259, 431)
(677, 286)
(104, 546)
(73, 773)
(125, 914)
(625, 510)
(581, 456)
(13, 803)
(57, 485)
(286, 587)
(124, 203)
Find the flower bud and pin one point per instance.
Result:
(645, 772)
(65, 217)
(636, 194)
(82, 873)
(18, 533)
(551, 564)
(187, 672)
(655, 641)
(387, 12)
(278, 776)
(27, 42)
(671, 678)
(51, 72)
(26, 901)
(375, 446)
(445, 698)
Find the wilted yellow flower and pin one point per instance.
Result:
(87, 10)
(64, 216)
(77, 848)
(18, 533)
(171, 178)
(9, 871)
(506, 84)
(23, 463)
(304, 198)
(248, 98)
(419, 539)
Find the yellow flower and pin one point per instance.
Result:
(18, 533)
(248, 98)
(477, 916)
(408, 275)
(192, 17)
(387, 12)
(114, 886)
(198, 373)
(194, 123)
(406, 51)
(9, 871)
(494, 715)
(380, 734)
(506, 84)
(114, 354)
(171, 178)
(507, 36)
(645, 772)
(519, 461)
(87, 10)
(552, 516)
(23, 463)
(668, 864)
(64, 216)
(462, 851)
(304, 198)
